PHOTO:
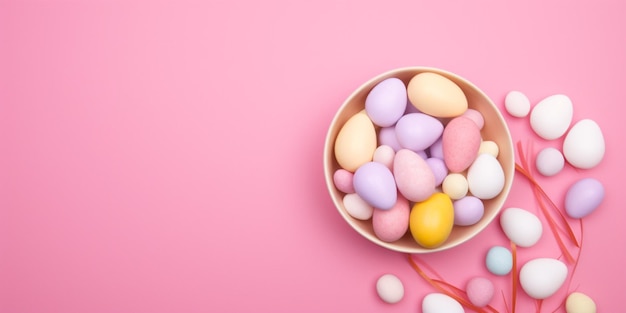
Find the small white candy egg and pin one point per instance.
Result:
(542, 277)
(521, 226)
(389, 288)
(517, 104)
(384, 154)
(439, 302)
(552, 116)
(357, 207)
(549, 161)
(584, 145)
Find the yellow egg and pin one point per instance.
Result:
(356, 142)
(431, 220)
(436, 95)
(578, 302)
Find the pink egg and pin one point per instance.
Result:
(480, 291)
(461, 141)
(475, 116)
(414, 178)
(343, 180)
(390, 225)
(387, 136)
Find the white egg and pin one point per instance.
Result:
(521, 226)
(583, 146)
(440, 303)
(549, 161)
(390, 288)
(517, 104)
(384, 154)
(485, 177)
(552, 116)
(542, 277)
(357, 207)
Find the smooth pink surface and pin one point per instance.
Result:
(166, 156)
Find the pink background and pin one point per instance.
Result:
(166, 156)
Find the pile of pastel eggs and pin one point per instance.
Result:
(413, 159)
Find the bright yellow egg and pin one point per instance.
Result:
(431, 220)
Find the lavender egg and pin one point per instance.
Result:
(375, 184)
(386, 102)
(418, 131)
(583, 197)
(468, 211)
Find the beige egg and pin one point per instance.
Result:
(489, 147)
(578, 302)
(356, 142)
(436, 95)
(455, 186)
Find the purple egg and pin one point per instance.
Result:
(438, 166)
(436, 149)
(468, 211)
(386, 102)
(583, 197)
(387, 136)
(375, 184)
(418, 131)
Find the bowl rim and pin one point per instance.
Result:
(329, 151)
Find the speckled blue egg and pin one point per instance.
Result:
(499, 260)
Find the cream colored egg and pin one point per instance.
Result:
(489, 147)
(436, 95)
(578, 302)
(356, 142)
(455, 186)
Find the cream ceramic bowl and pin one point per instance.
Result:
(495, 129)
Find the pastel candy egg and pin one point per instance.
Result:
(549, 161)
(499, 260)
(375, 183)
(578, 302)
(489, 147)
(436, 95)
(542, 277)
(418, 131)
(431, 220)
(386, 102)
(480, 291)
(439, 169)
(476, 117)
(357, 207)
(468, 211)
(414, 178)
(485, 177)
(583, 197)
(356, 142)
(461, 141)
(390, 288)
(436, 149)
(521, 226)
(343, 180)
(517, 104)
(552, 116)
(583, 146)
(384, 154)
(455, 186)
(440, 303)
(390, 225)
(387, 137)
